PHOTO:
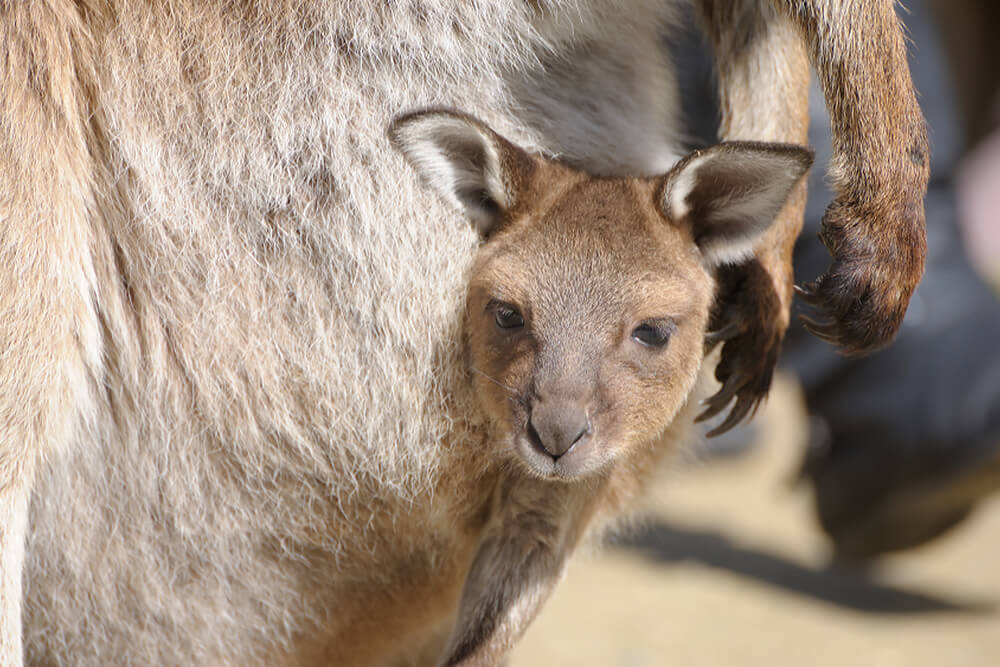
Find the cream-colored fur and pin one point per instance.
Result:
(233, 418)
(585, 325)
(230, 380)
(231, 385)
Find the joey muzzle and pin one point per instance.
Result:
(557, 425)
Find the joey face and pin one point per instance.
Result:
(584, 326)
(589, 299)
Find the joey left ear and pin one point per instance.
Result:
(467, 163)
(730, 193)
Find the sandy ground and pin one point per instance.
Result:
(730, 570)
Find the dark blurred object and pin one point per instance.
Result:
(969, 29)
(908, 440)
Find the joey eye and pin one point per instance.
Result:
(652, 334)
(507, 316)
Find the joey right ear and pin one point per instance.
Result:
(467, 163)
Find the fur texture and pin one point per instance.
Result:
(231, 384)
(584, 329)
(239, 356)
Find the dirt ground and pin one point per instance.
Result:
(731, 571)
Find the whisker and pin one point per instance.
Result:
(503, 386)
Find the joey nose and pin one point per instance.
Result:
(557, 426)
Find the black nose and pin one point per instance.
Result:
(556, 426)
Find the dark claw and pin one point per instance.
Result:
(815, 324)
(727, 332)
(805, 289)
(826, 331)
(747, 324)
(809, 292)
(718, 401)
(713, 408)
(742, 408)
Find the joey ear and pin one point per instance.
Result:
(464, 161)
(730, 193)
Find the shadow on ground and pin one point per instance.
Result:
(853, 589)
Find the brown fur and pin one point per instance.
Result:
(234, 417)
(880, 171)
(584, 328)
(874, 228)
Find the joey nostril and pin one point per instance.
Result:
(583, 433)
(534, 437)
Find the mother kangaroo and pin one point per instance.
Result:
(231, 378)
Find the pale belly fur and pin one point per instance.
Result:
(275, 459)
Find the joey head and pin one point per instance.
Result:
(589, 299)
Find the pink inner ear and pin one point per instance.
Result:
(465, 162)
(730, 194)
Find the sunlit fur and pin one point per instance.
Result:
(581, 403)
(586, 269)
(235, 314)
(231, 381)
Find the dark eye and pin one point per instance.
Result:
(652, 334)
(508, 317)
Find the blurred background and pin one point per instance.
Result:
(729, 569)
(856, 521)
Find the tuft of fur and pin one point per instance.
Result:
(237, 377)
(232, 401)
